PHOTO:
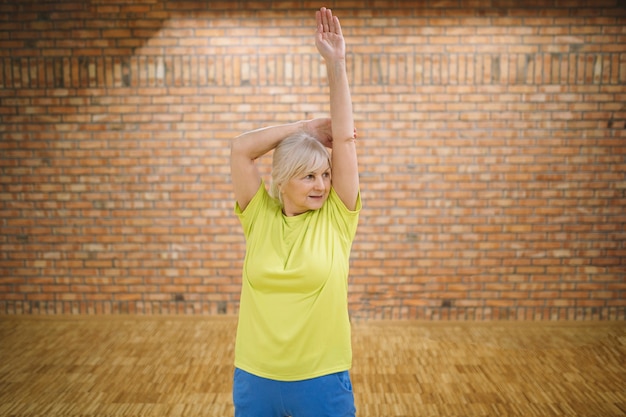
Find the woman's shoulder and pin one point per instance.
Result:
(261, 201)
(335, 201)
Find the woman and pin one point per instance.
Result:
(293, 351)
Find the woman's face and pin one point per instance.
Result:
(306, 192)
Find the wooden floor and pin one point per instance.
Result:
(182, 366)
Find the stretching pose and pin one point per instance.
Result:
(293, 350)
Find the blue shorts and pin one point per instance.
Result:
(325, 396)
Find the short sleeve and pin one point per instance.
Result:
(344, 218)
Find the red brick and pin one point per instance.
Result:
(489, 148)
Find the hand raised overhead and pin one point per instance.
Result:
(329, 39)
(320, 129)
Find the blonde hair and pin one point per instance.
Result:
(298, 154)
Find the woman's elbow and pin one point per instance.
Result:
(236, 147)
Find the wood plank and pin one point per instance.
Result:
(182, 366)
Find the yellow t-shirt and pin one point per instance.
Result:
(293, 316)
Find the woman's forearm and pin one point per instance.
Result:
(258, 142)
(340, 101)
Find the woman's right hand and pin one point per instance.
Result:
(321, 130)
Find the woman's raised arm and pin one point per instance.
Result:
(246, 148)
(330, 43)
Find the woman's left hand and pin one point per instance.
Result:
(329, 39)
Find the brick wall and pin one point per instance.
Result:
(492, 149)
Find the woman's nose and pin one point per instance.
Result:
(319, 183)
